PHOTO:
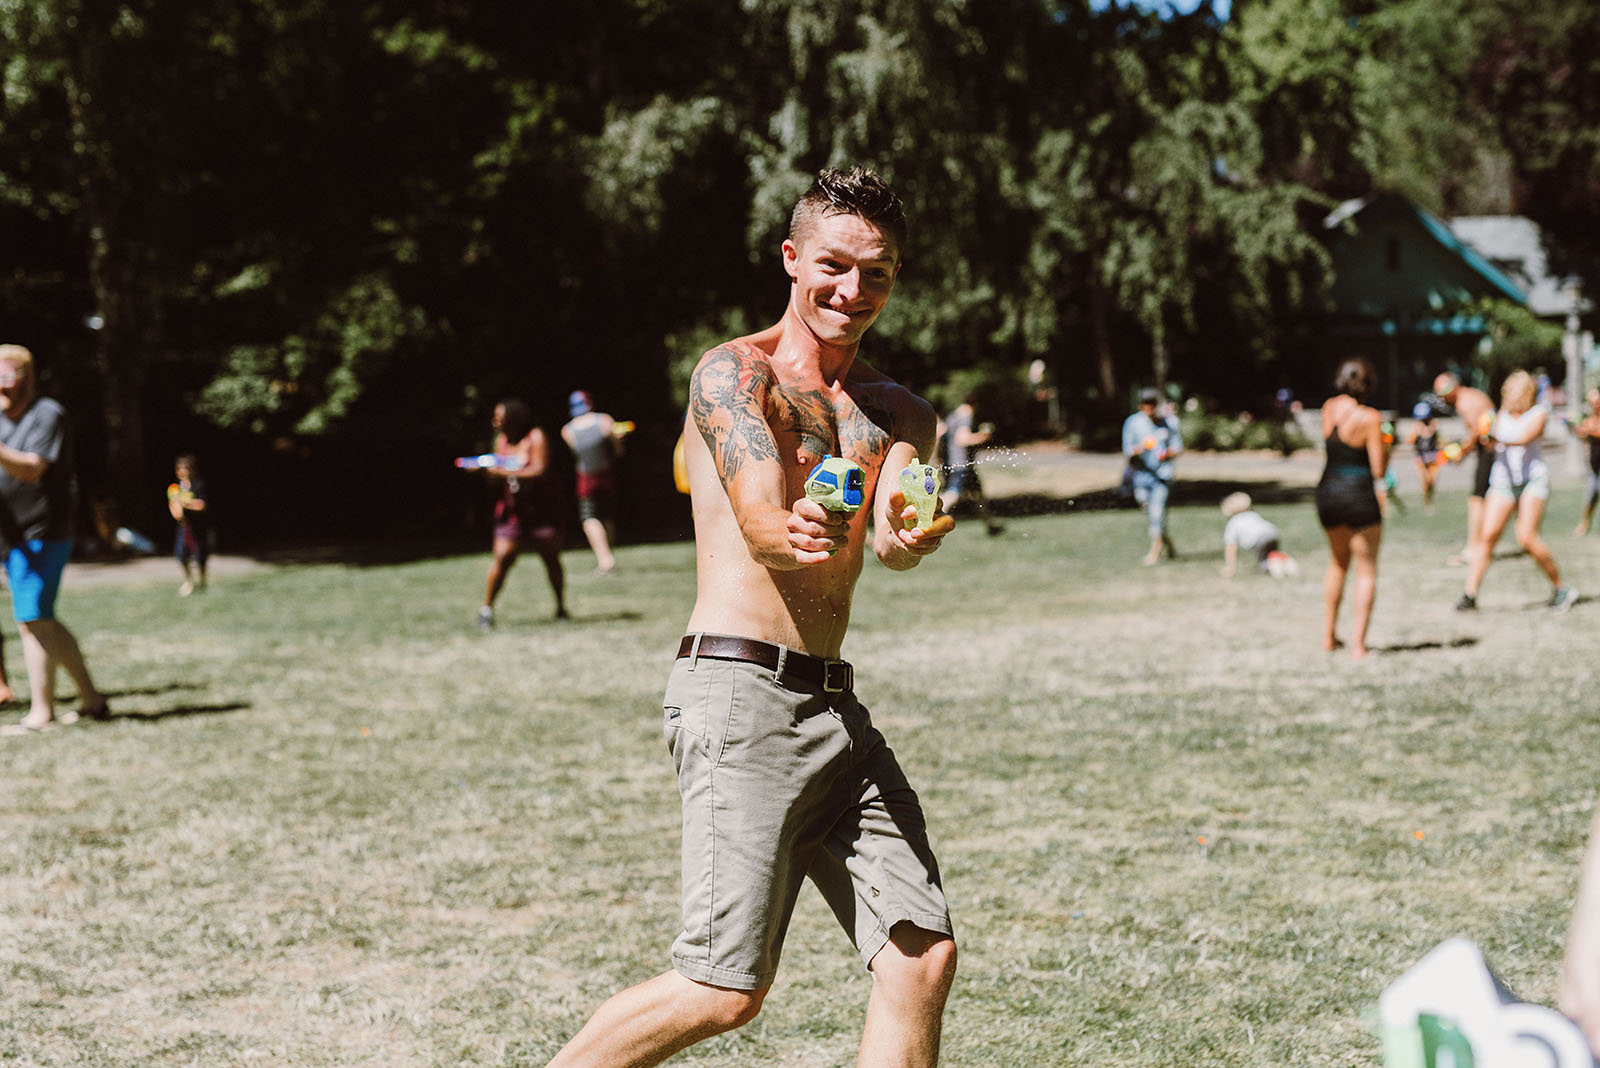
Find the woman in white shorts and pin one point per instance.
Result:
(1519, 481)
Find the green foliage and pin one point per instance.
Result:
(308, 381)
(1206, 430)
(999, 392)
(1414, 68)
(1516, 339)
(284, 211)
(1536, 75)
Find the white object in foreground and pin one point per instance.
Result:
(1449, 1011)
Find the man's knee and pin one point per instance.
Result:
(916, 958)
(723, 1008)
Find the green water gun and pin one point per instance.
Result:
(838, 484)
(920, 483)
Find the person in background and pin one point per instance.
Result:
(528, 511)
(1476, 410)
(1519, 481)
(35, 517)
(1151, 441)
(596, 443)
(1589, 431)
(1249, 530)
(1350, 499)
(186, 501)
(1425, 446)
(961, 441)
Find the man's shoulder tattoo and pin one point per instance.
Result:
(727, 401)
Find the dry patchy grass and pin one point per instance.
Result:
(332, 826)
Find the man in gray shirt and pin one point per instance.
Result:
(35, 520)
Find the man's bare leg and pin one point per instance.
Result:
(911, 977)
(646, 1024)
(47, 644)
(7, 694)
(1474, 532)
(599, 538)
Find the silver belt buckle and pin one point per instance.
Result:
(837, 677)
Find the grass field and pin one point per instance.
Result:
(332, 825)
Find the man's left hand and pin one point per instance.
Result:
(903, 525)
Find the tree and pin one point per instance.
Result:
(1537, 76)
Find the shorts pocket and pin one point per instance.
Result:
(683, 708)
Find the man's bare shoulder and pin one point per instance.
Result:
(912, 417)
(887, 391)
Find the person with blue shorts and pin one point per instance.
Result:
(35, 520)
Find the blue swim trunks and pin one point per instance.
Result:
(34, 571)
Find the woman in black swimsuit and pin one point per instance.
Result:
(1349, 497)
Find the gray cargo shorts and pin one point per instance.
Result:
(783, 781)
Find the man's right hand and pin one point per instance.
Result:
(815, 533)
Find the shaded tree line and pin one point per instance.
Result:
(316, 242)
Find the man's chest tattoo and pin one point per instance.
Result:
(870, 425)
(858, 428)
(807, 416)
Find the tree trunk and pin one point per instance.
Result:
(1158, 358)
(1105, 358)
(118, 350)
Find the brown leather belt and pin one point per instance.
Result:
(833, 676)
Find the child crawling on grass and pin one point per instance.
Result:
(1249, 530)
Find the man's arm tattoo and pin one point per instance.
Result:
(726, 402)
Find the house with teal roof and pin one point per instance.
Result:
(1404, 286)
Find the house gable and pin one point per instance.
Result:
(1397, 264)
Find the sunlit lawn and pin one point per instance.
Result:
(332, 825)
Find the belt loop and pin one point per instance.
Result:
(694, 650)
(783, 660)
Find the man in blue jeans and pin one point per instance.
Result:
(35, 518)
(1150, 441)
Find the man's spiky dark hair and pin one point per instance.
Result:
(857, 191)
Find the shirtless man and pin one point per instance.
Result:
(1471, 405)
(781, 772)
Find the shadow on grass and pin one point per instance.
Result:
(148, 691)
(626, 615)
(1425, 646)
(377, 553)
(1206, 493)
(574, 619)
(181, 710)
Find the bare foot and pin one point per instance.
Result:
(1583, 528)
(1151, 559)
(6, 694)
(1360, 652)
(1330, 643)
(42, 719)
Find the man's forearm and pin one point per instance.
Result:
(25, 466)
